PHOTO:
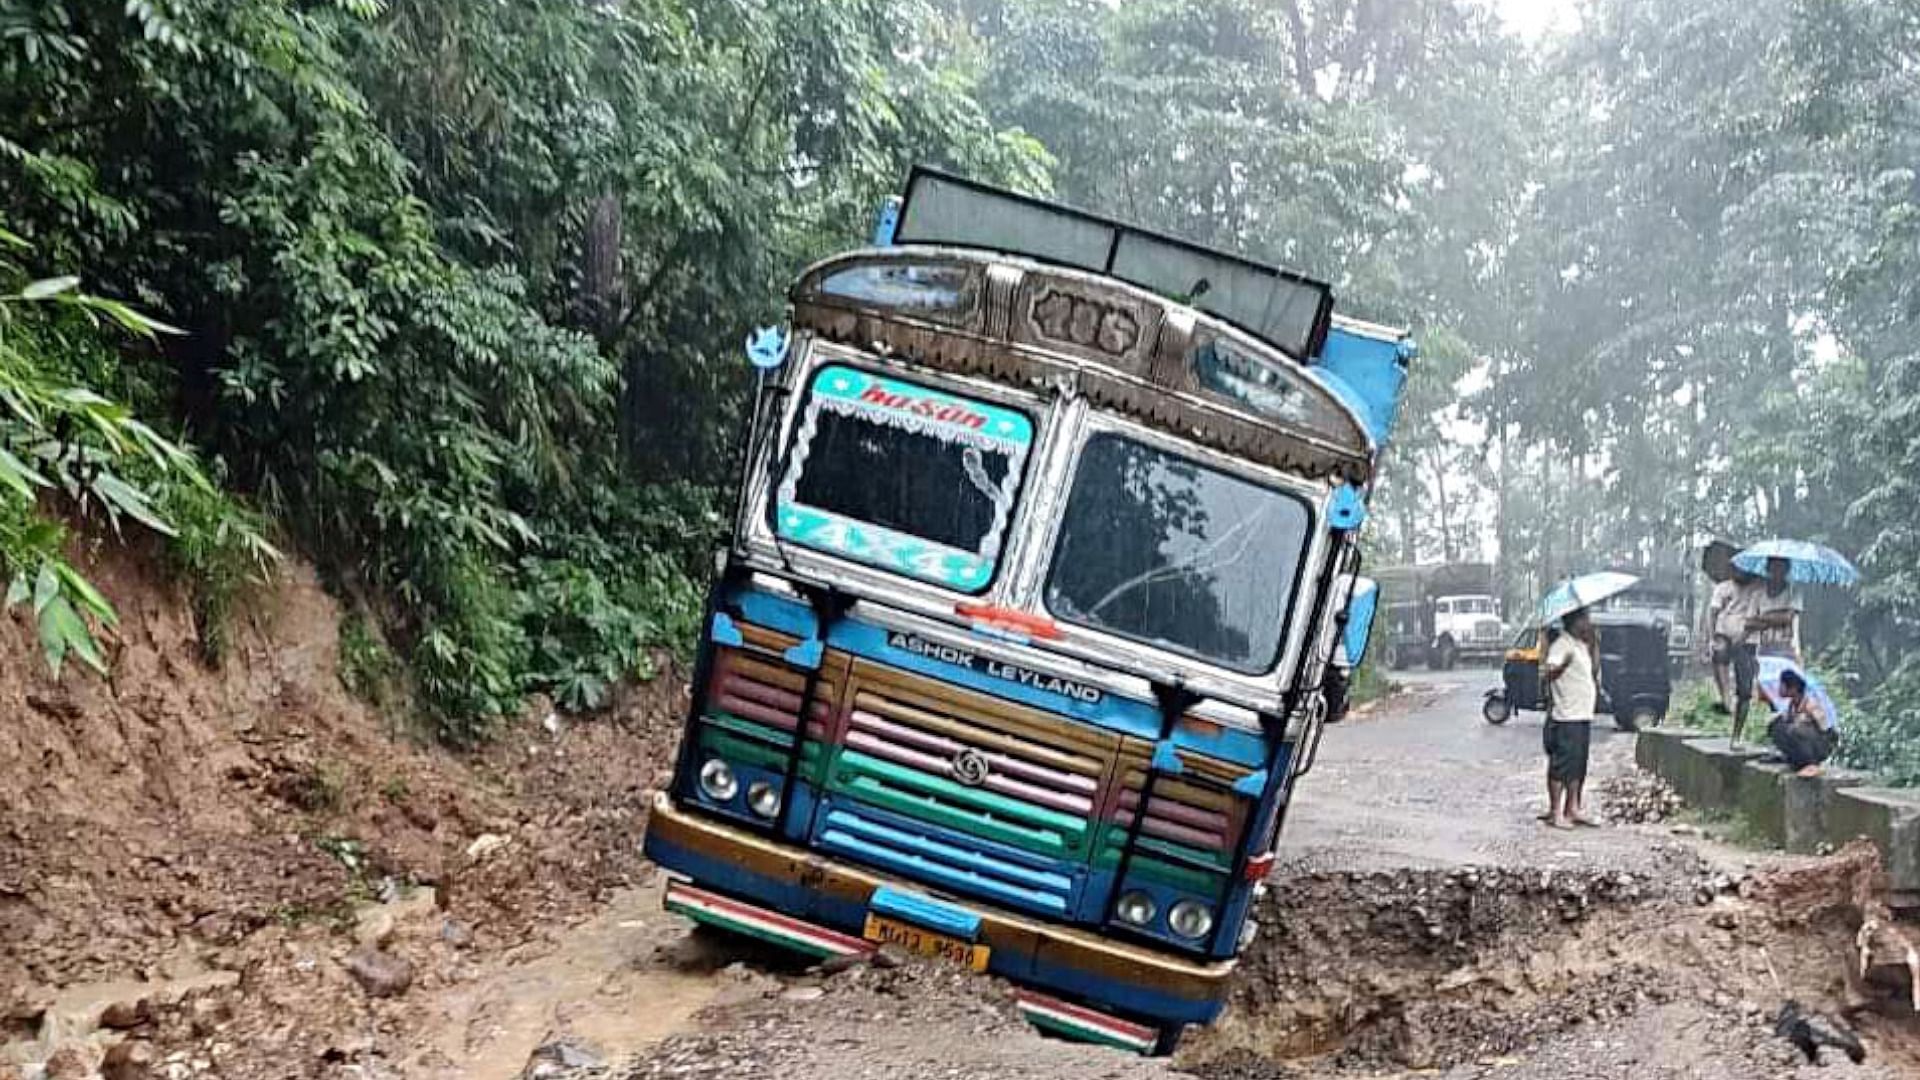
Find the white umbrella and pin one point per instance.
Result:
(1581, 592)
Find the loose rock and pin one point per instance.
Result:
(375, 927)
(456, 933)
(485, 845)
(125, 1015)
(560, 1057)
(1639, 798)
(68, 1063)
(133, 1059)
(380, 973)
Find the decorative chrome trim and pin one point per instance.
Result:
(1363, 328)
(1122, 382)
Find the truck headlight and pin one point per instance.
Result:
(718, 781)
(1190, 919)
(763, 799)
(1135, 908)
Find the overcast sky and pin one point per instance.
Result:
(1533, 18)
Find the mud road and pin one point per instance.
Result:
(1422, 922)
(1422, 782)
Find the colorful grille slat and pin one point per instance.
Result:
(964, 867)
(1171, 819)
(762, 692)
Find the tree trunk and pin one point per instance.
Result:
(1409, 545)
(1302, 50)
(1547, 525)
(1449, 551)
(602, 288)
(1503, 573)
(1364, 46)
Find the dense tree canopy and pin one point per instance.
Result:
(449, 293)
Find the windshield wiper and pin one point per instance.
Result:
(1242, 533)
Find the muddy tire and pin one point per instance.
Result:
(1444, 656)
(1168, 1040)
(1639, 718)
(1495, 710)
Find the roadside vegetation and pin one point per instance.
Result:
(448, 297)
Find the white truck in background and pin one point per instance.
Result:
(1440, 615)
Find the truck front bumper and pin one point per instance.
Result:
(813, 903)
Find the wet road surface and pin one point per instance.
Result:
(1421, 781)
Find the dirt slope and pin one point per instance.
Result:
(177, 821)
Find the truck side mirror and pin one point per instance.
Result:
(1361, 604)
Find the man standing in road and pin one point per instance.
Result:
(1573, 690)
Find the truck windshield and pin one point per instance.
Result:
(1162, 550)
(904, 477)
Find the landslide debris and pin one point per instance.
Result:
(178, 821)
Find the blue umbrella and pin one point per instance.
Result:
(1813, 564)
(1584, 591)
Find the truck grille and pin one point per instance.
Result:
(1171, 817)
(902, 753)
(1193, 818)
(1040, 807)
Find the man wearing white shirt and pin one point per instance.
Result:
(1573, 687)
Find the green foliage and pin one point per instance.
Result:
(61, 442)
(368, 668)
(1694, 707)
(461, 286)
(322, 789)
(1368, 683)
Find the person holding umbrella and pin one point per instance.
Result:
(1573, 689)
(1775, 621)
(1773, 624)
(1571, 673)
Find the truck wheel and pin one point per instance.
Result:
(1638, 718)
(1495, 710)
(1395, 661)
(1169, 1040)
(1443, 656)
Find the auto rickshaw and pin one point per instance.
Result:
(1636, 685)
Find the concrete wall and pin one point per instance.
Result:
(1797, 813)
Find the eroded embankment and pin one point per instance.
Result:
(1438, 969)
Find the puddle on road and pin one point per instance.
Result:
(607, 982)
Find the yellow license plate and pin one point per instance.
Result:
(926, 943)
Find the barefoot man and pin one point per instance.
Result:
(1573, 687)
